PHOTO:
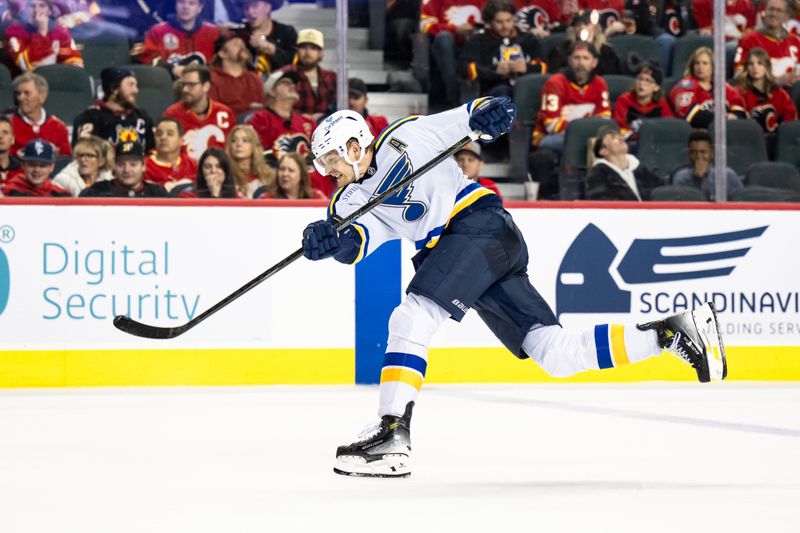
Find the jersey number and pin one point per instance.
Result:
(413, 210)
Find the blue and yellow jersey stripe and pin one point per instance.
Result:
(609, 341)
(391, 127)
(465, 198)
(363, 232)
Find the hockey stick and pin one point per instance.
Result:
(131, 326)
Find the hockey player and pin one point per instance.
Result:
(470, 254)
(116, 118)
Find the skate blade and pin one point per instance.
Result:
(395, 465)
(705, 319)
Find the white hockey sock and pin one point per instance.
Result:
(562, 353)
(411, 328)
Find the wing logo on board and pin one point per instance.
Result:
(5, 281)
(587, 278)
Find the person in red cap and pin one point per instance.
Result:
(38, 162)
(470, 162)
(36, 39)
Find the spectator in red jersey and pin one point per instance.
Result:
(92, 161)
(293, 182)
(205, 121)
(128, 179)
(232, 82)
(116, 118)
(584, 28)
(30, 121)
(38, 162)
(169, 165)
(9, 163)
(616, 174)
(739, 16)
(271, 42)
(539, 17)
(782, 47)
(644, 101)
(470, 162)
(608, 13)
(692, 97)
(215, 178)
(499, 54)
(316, 86)
(357, 101)
(250, 170)
(765, 102)
(35, 39)
(574, 93)
(449, 24)
(281, 129)
(182, 40)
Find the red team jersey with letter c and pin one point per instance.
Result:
(202, 133)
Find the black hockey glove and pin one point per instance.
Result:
(493, 117)
(320, 240)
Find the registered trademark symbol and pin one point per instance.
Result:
(6, 234)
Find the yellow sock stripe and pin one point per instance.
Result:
(403, 375)
(618, 350)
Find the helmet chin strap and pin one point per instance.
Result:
(355, 164)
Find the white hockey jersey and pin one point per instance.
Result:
(419, 212)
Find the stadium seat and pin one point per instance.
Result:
(788, 145)
(746, 144)
(70, 91)
(61, 162)
(101, 50)
(684, 47)
(527, 96)
(576, 141)
(546, 44)
(617, 85)
(774, 174)
(669, 83)
(677, 193)
(156, 91)
(643, 46)
(756, 193)
(6, 90)
(663, 144)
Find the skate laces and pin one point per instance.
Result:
(678, 349)
(368, 431)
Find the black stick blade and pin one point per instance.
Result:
(132, 327)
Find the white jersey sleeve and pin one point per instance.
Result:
(419, 212)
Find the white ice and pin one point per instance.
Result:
(577, 458)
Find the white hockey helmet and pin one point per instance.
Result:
(331, 136)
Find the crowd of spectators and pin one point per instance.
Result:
(249, 91)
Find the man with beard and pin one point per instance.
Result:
(316, 87)
(231, 81)
(205, 121)
(271, 43)
(182, 40)
(116, 118)
(574, 93)
(128, 179)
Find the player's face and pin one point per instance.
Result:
(469, 164)
(700, 152)
(168, 138)
(502, 24)
(29, 99)
(775, 14)
(337, 167)
(129, 171)
(357, 102)
(187, 11)
(88, 160)
(127, 92)
(6, 137)
(702, 69)
(645, 86)
(309, 55)
(582, 63)
(192, 90)
(213, 174)
(241, 147)
(257, 12)
(756, 69)
(289, 176)
(36, 173)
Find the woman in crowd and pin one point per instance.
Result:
(692, 97)
(764, 101)
(92, 160)
(247, 154)
(293, 181)
(215, 178)
(645, 101)
(583, 28)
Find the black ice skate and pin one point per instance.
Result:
(383, 451)
(694, 337)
